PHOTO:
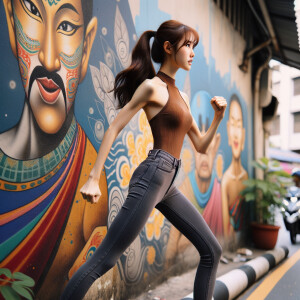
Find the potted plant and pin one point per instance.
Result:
(267, 194)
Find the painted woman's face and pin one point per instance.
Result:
(236, 132)
(49, 38)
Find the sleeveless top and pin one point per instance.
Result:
(172, 122)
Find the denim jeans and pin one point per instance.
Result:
(152, 185)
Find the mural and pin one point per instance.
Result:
(46, 156)
(232, 182)
(59, 60)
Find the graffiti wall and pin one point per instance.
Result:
(57, 68)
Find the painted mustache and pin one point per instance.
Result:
(49, 83)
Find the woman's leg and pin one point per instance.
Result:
(148, 185)
(186, 218)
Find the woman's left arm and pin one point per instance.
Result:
(202, 141)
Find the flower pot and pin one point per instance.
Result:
(264, 235)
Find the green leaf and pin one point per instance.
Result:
(250, 182)
(263, 186)
(250, 196)
(8, 293)
(6, 272)
(247, 190)
(265, 161)
(24, 279)
(22, 291)
(259, 165)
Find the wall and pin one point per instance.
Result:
(51, 129)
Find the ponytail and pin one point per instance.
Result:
(141, 68)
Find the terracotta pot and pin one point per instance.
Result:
(264, 236)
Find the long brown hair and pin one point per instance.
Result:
(141, 67)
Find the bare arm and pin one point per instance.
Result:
(202, 141)
(90, 190)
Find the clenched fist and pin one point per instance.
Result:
(219, 105)
(91, 191)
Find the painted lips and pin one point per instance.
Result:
(204, 165)
(48, 89)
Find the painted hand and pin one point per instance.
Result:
(91, 191)
(219, 105)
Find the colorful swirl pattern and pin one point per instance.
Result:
(28, 44)
(72, 61)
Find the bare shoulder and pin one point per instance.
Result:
(245, 174)
(225, 179)
(149, 86)
(144, 92)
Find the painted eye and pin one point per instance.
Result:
(67, 27)
(32, 8)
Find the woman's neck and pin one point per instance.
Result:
(169, 70)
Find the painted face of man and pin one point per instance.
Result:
(49, 40)
(236, 132)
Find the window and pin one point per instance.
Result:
(297, 122)
(296, 86)
(275, 128)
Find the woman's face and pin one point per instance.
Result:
(183, 56)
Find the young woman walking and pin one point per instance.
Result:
(151, 185)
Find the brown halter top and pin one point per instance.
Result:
(173, 121)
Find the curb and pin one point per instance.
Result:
(233, 283)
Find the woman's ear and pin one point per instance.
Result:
(167, 47)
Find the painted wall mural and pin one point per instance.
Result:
(59, 60)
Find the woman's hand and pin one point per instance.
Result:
(91, 191)
(219, 105)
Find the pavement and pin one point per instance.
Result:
(282, 282)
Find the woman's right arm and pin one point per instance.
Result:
(90, 190)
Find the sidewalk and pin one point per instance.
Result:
(176, 288)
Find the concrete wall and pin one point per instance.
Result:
(48, 148)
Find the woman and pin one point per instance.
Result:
(151, 184)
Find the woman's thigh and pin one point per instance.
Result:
(188, 220)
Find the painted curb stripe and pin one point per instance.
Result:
(221, 291)
(250, 272)
(233, 283)
(260, 266)
(271, 259)
(268, 284)
(188, 297)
